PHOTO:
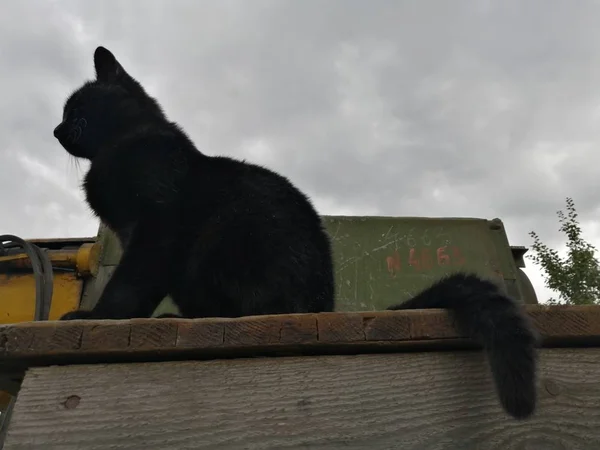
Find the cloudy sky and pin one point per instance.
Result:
(435, 108)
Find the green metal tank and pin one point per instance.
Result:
(384, 260)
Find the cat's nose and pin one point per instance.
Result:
(58, 130)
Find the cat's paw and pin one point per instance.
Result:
(80, 314)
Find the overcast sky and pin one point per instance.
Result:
(432, 108)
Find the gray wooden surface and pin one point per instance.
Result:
(429, 400)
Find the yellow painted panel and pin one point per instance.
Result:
(17, 296)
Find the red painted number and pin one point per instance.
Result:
(393, 263)
(457, 257)
(424, 260)
(412, 260)
(442, 258)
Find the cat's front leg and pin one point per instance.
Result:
(124, 234)
(139, 283)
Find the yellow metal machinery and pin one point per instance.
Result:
(72, 261)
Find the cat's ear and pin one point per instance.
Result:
(107, 67)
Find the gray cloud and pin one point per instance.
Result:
(486, 109)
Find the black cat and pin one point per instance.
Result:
(228, 238)
(223, 237)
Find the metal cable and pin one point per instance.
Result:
(42, 271)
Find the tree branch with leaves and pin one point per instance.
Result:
(576, 278)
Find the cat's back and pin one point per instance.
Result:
(258, 189)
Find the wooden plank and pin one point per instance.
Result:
(39, 343)
(411, 401)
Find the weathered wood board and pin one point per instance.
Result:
(356, 398)
(39, 343)
(410, 401)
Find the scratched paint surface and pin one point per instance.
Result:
(384, 260)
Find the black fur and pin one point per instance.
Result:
(497, 322)
(169, 316)
(223, 237)
(228, 238)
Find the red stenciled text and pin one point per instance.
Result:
(424, 259)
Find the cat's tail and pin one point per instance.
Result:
(498, 323)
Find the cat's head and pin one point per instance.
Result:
(105, 108)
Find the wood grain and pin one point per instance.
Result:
(52, 342)
(411, 401)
